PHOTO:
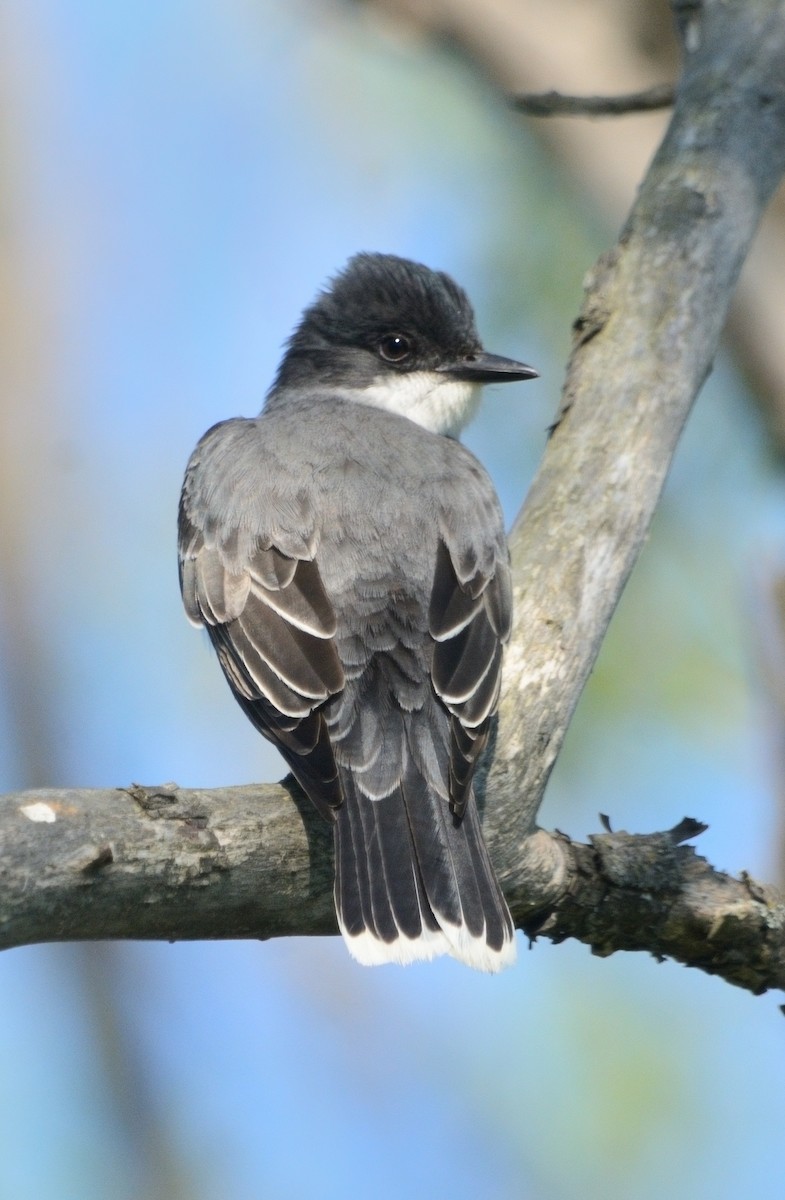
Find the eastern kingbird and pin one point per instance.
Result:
(348, 559)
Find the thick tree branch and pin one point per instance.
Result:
(248, 862)
(644, 343)
(163, 863)
(244, 862)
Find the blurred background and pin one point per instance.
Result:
(179, 179)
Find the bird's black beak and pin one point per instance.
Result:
(481, 367)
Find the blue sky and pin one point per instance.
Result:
(183, 177)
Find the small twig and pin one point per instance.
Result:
(555, 104)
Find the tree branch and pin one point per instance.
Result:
(556, 104)
(644, 343)
(648, 892)
(163, 863)
(177, 864)
(247, 862)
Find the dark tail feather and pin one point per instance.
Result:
(412, 881)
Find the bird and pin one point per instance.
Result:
(347, 557)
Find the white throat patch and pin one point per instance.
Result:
(438, 403)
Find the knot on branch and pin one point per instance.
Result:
(646, 861)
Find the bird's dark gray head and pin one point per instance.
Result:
(397, 335)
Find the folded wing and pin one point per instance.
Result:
(270, 621)
(469, 620)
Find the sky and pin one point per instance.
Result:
(181, 179)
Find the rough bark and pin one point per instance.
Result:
(256, 862)
(247, 862)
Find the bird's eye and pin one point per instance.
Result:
(395, 347)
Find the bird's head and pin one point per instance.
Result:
(394, 334)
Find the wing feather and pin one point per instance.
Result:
(300, 598)
(452, 607)
(469, 619)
